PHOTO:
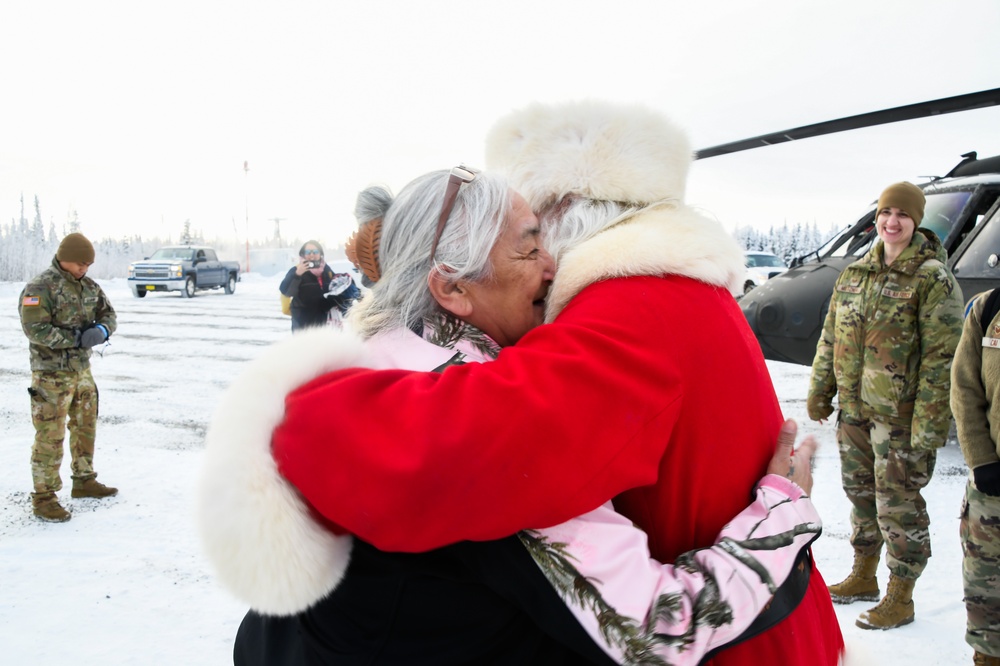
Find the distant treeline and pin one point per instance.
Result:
(27, 247)
(786, 242)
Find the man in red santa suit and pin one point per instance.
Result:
(645, 385)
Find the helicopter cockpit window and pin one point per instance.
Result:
(856, 241)
(980, 209)
(942, 211)
(975, 260)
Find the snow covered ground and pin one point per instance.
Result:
(124, 581)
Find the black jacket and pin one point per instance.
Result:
(309, 306)
(471, 603)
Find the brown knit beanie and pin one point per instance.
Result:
(76, 248)
(905, 196)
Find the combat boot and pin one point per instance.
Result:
(980, 659)
(92, 488)
(896, 608)
(46, 507)
(861, 584)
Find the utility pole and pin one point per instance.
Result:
(246, 204)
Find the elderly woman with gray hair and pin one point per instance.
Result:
(459, 272)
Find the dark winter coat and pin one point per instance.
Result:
(310, 306)
(471, 603)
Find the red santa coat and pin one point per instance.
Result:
(647, 386)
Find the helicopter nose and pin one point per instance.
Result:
(770, 316)
(764, 318)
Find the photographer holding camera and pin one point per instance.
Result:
(319, 296)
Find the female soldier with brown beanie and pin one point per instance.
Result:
(886, 348)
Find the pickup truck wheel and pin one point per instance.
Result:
(231, 283)
(189, 287)
(139, 294)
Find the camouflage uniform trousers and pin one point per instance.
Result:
(882, 478)
(56, 396)
(979, 530)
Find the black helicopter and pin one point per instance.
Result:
(787, 312)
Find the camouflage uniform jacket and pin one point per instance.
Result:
(888, 342)
(975, 388)
(53, 306)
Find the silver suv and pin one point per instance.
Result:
(761, 267)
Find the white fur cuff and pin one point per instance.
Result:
(256, 529)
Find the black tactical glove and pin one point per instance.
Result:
(91, 337)
(988, 479)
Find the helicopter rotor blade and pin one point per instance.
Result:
(968, 102)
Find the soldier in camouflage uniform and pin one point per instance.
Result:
(975, 400)
(887, 346)
(64, 314)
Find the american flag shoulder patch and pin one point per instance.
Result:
(29, 300)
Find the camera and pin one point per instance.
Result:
(310, 264)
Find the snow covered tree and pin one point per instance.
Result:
(73, 224)
(788, 242)
(186, 234)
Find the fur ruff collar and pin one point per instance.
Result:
(256, 529)
(663, 239)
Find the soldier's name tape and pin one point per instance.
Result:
(886, 291)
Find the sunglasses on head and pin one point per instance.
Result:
(459, 175)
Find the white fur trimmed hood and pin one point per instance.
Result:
(256, 530)
(598, 150)
(613, 152)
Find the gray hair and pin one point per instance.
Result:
(574, 220)
(400, 298)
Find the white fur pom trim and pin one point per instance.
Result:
(599, 150)
(255, 528)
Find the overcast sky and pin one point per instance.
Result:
(140, 115)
